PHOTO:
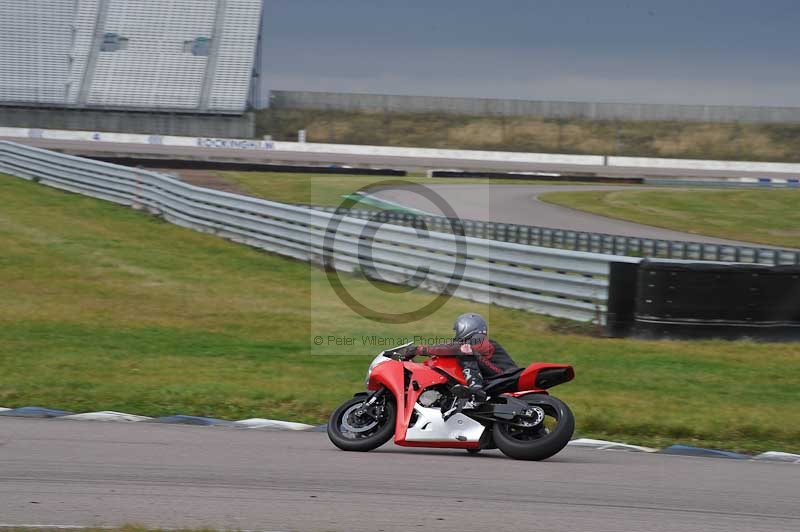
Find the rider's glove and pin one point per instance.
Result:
(409, 352)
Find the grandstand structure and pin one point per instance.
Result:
(181, 58)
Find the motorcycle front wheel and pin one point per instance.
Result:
(353, 428)
(539, 441)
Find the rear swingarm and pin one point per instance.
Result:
(513, 408)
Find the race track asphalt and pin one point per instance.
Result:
(62, 472)
(520, 204)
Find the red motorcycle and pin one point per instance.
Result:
(428, 405)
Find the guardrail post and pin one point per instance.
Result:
(137, 203)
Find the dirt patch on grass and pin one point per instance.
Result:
(204, 178)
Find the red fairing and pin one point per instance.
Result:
(392, 375)
(449, 364)
(527, 380)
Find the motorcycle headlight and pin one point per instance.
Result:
(378, 360)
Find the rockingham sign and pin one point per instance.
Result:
(240, 144)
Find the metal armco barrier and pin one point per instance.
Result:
(588, 242)
(569, 284)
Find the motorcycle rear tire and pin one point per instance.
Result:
(381, 435)
(545, 446)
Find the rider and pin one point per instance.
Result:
(478, 356)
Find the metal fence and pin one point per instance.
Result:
(569, 284)
(581, 241)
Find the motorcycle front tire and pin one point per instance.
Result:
(382, 433)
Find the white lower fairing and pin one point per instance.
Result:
(431, 427)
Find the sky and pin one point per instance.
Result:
(731, 52)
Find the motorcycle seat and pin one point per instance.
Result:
(503, 383)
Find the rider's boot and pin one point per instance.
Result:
(474, 380)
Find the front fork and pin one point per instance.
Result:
(373, 404)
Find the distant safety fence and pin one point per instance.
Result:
(584, 241)
(338, 101)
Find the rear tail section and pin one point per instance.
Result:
(544, 375)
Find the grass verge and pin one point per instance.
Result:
(104, 308)
(761, 216)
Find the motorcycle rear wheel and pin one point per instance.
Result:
(351, 432)
(539, 442)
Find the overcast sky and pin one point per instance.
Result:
(740, 52)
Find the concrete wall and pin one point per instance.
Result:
(490, 107)
(739, 172)
(193, 125)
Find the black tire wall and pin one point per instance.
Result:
(706, 300)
